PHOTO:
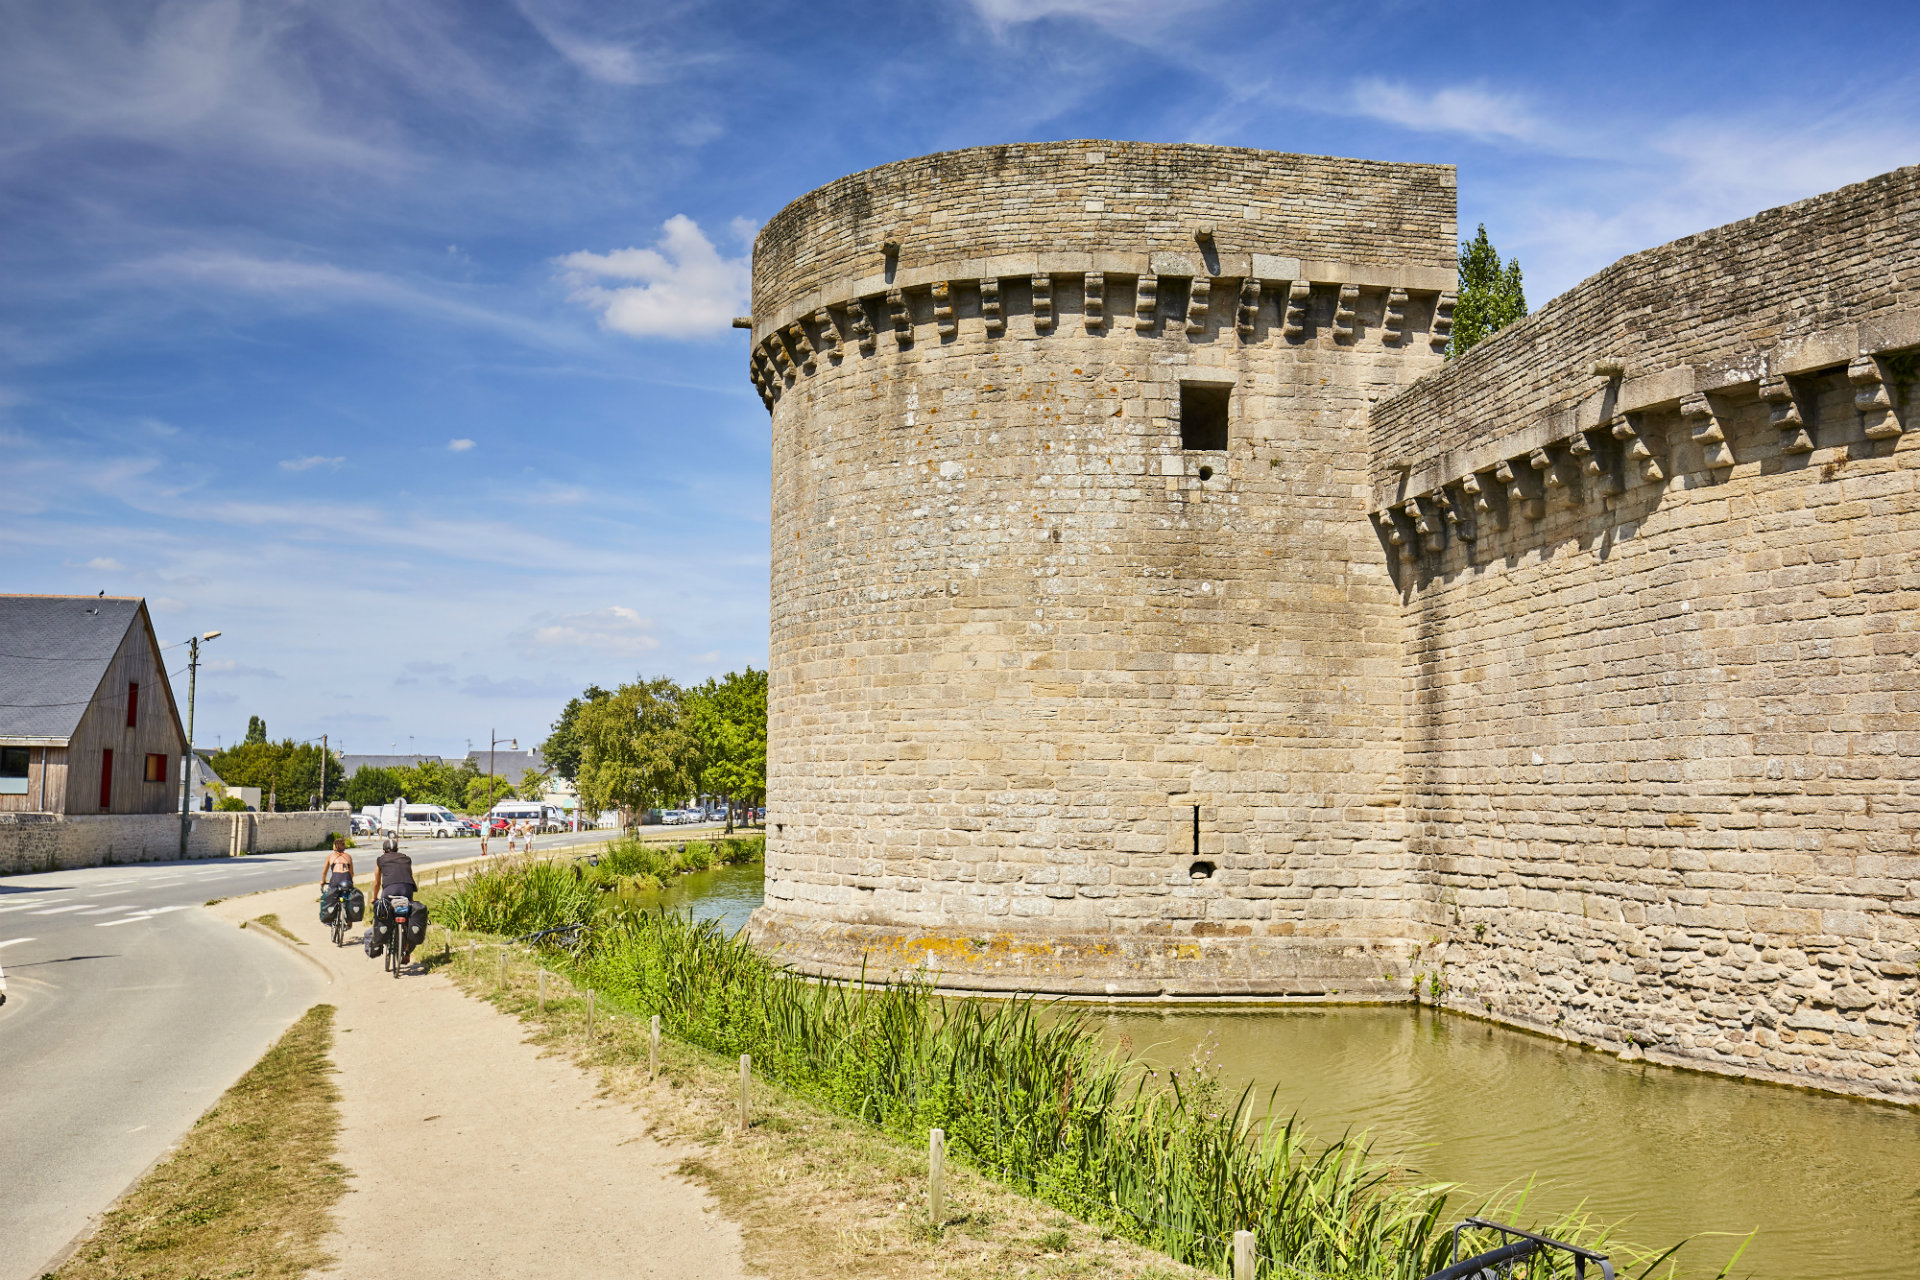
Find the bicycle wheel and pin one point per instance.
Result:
(340, 926)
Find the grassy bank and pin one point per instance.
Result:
(248, 1192)
(520, 895)
(1167, 1161)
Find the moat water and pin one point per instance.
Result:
(1829, 1186)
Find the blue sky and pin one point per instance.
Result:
(390, 338)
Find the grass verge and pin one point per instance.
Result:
(818, 1196)
(248, 1192)
(272, 921)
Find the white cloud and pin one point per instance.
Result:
(309, 463)
(460, 445)
(614, 630)
(1469, 109)
(682, 287)
(1120, 17)
(601, 59)
(106, 563)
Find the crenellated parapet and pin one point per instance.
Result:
(1629, 432)
(1141, 295)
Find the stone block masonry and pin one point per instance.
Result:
(1657, 550)
(1026, 625)
(1153, 613)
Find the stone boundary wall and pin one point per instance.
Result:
(1662, 652)
(53, 842)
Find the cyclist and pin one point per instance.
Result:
(336, 874)
(392, 878)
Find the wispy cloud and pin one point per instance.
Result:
(605, 60)
(309, 463)
(1121, 17)
(107, 564)
(459, 445)
(1470, 109)
(613, 630)
(681, 288)
(228, 666)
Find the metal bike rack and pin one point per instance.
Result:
(1517, 1245)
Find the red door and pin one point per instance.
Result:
(106, 780)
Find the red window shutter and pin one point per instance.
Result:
(133, 703)
(106, 780)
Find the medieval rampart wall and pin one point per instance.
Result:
(1662, 651)
(1026, 648)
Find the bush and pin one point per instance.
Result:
(230, 804)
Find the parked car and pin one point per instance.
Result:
(424, 820)
(360, 825)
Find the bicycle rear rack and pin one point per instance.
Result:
(1516, 1246)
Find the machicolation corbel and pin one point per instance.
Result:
(1872, 398)
(902, 317)
(1398, 538)
(1551, 477)
(943, 320)
(829, 335)
(1783, 411)
(1346, 313)
(1095, 307)
(1518, 499)
(990, 306)
(1393, 322)
(1249, 313)
(1697, 412)
(1299, 297)
(1442, 321)
(1484, 506)
(863, 334)
(803, 352)
(1638, 456)
(1593, 464)
(1146, 302)
(1043, 301)
(1198, 294)
(1457, 522)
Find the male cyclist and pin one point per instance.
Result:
(336, 875)
(392, 878)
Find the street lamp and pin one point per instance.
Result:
(186, 761)
(494, 740)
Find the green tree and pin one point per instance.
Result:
(729, 719)
(371, 784)
(1491, 296)
(287, 773)
(485, 791)
(637, 748)
(533, 785)
(256, 733)
(562, 747)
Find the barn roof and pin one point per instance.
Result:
(54, 651)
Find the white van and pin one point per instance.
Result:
(423, 820)
(541, 817)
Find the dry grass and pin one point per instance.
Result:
(818, 1196)
(272, 921)
(249, 1191)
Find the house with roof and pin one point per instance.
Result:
(88, 723)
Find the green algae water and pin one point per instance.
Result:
(1830, 1186)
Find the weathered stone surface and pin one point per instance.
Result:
(1575, 684)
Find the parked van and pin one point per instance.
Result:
(541, 817)
(420, 820)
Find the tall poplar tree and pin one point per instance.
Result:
(1491, 297)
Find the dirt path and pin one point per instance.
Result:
(474, 1157)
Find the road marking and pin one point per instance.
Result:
(11, 941)
(54, 911)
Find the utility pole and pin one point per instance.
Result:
(323, 771)
(186, 761)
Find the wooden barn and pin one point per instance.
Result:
(87, 718)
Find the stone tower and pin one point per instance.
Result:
(1085, 657)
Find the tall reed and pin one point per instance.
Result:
(1028, 1096)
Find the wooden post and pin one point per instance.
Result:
(589, 1014)
(937, 1177)
(503, 968)
(653, 1049)
(543, 991)
(746, 1085)
(473, 952)
(1243, 1255)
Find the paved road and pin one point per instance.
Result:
(129, 1012)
